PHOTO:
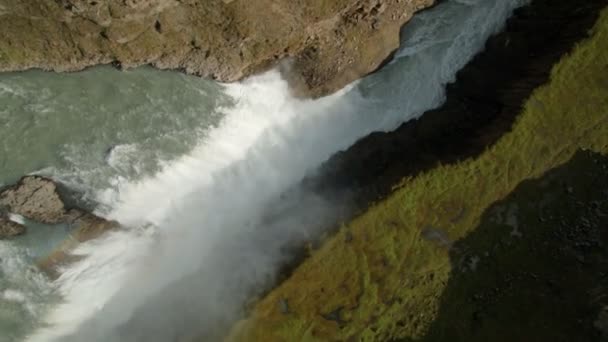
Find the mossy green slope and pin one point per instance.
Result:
(535, 268)
(382, 276)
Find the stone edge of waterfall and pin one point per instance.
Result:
(322, 46)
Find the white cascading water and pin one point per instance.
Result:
(198, 245)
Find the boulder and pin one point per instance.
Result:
(36, 198)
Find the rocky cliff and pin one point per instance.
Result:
(324, 44)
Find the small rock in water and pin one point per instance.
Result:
(10, 229)
(36, 198)
(107, 155)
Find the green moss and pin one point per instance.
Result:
(384, 273)
(534, 254)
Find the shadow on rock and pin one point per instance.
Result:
(536, 268)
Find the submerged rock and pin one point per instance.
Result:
(88, 226)
(85, 226)
(329, 43)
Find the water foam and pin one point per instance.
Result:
(202, 244)
(25, 293)
(16, 218)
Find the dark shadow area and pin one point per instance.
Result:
(536, 268)
(481, 105)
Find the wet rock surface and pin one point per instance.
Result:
(85, 226)
(38, 199)
(328, 44)
(10, 229)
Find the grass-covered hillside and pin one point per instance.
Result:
(457, 251)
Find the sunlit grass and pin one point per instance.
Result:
(378, 278)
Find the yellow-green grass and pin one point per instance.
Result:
(378, 278)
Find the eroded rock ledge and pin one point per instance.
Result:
(38, 199)
(326, 44)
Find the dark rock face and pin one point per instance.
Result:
(329, 43)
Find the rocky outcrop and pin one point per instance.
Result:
(86, 226)
(326, 44)
(9, 228)
(37, 198)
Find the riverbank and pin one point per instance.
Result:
(322, 46)
(382, 276)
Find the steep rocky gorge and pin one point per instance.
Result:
(481, 108)
(425, 186)
(325, 44)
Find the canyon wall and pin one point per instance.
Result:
(324, 45)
